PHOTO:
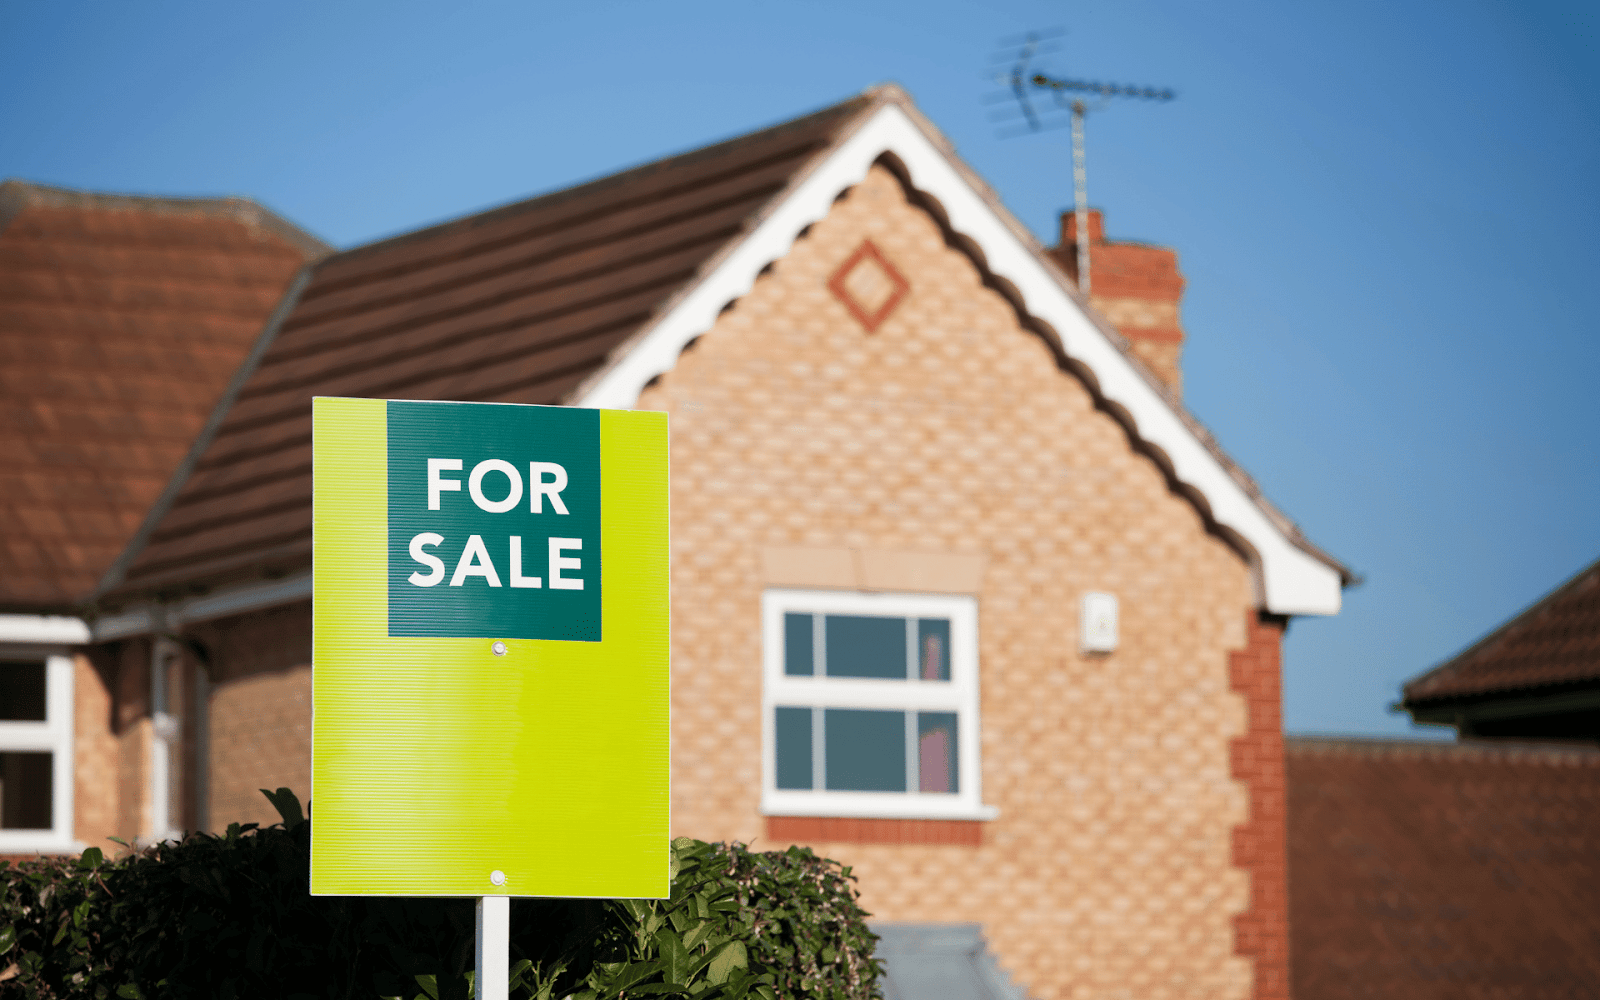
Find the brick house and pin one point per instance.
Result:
(962, 596)
(122, 321)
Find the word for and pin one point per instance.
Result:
(437, 484)
(475, 561)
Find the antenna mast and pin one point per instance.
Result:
(1022, 83)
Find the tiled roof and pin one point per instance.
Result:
(518, 305)
(1426, 870)
(1555, 642)
(525, 303)
(122, 320)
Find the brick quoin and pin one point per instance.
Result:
(1260, 844)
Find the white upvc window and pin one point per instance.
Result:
(35, 751)
(870, 705)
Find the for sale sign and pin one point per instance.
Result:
(494, 521)
(490, 650)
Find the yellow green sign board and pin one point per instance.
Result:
(490, 650)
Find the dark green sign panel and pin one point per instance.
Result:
(494, 521)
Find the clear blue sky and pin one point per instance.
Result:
(1388, 214)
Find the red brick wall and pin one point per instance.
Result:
(259, 718)
(1260, 844)
(96, 755)
(821, 829)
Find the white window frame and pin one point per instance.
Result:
(53, 735)
(959, 695)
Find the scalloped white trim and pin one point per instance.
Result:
(1291, 581)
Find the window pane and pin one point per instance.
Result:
(21, 691)
(933, 649)
(866, 750)
(936, 752)
(797, 658)
(859, 646)
(793, 729)
(25, 788)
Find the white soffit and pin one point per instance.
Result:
(1293, 582)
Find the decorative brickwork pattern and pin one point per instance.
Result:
(1260, 844)
(951, 431)
(868, 285)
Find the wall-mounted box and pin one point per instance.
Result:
(1097, 623)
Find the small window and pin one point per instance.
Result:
(22, 691)
(26, 787)
(36, 754)
(871, 705)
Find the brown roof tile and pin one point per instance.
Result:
(518, 304)
(1554, 642)
(1421, 870)
(121, 321)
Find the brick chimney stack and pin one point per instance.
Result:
(1136, 287)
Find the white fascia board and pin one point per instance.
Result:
(53, 629)
(1293, 582)
(150, 619)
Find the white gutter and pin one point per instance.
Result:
(148, 619)
(53, 629)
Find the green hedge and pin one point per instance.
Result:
(230, 917)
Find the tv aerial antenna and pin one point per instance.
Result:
(1028, 87)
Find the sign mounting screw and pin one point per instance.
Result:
(499, 650)
(498, 877)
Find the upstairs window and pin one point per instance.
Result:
(870, 705)
(35, 753)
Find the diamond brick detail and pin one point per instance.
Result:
(868, 285)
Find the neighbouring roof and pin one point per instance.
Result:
(577, 297)
(940, 962)
(1435, 870)
(1553, 643)
(122, 320)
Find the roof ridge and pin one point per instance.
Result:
(615, 178)
(1384, 746)
(17, 195)
(117, 571)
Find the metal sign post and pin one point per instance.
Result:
(493, 948)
